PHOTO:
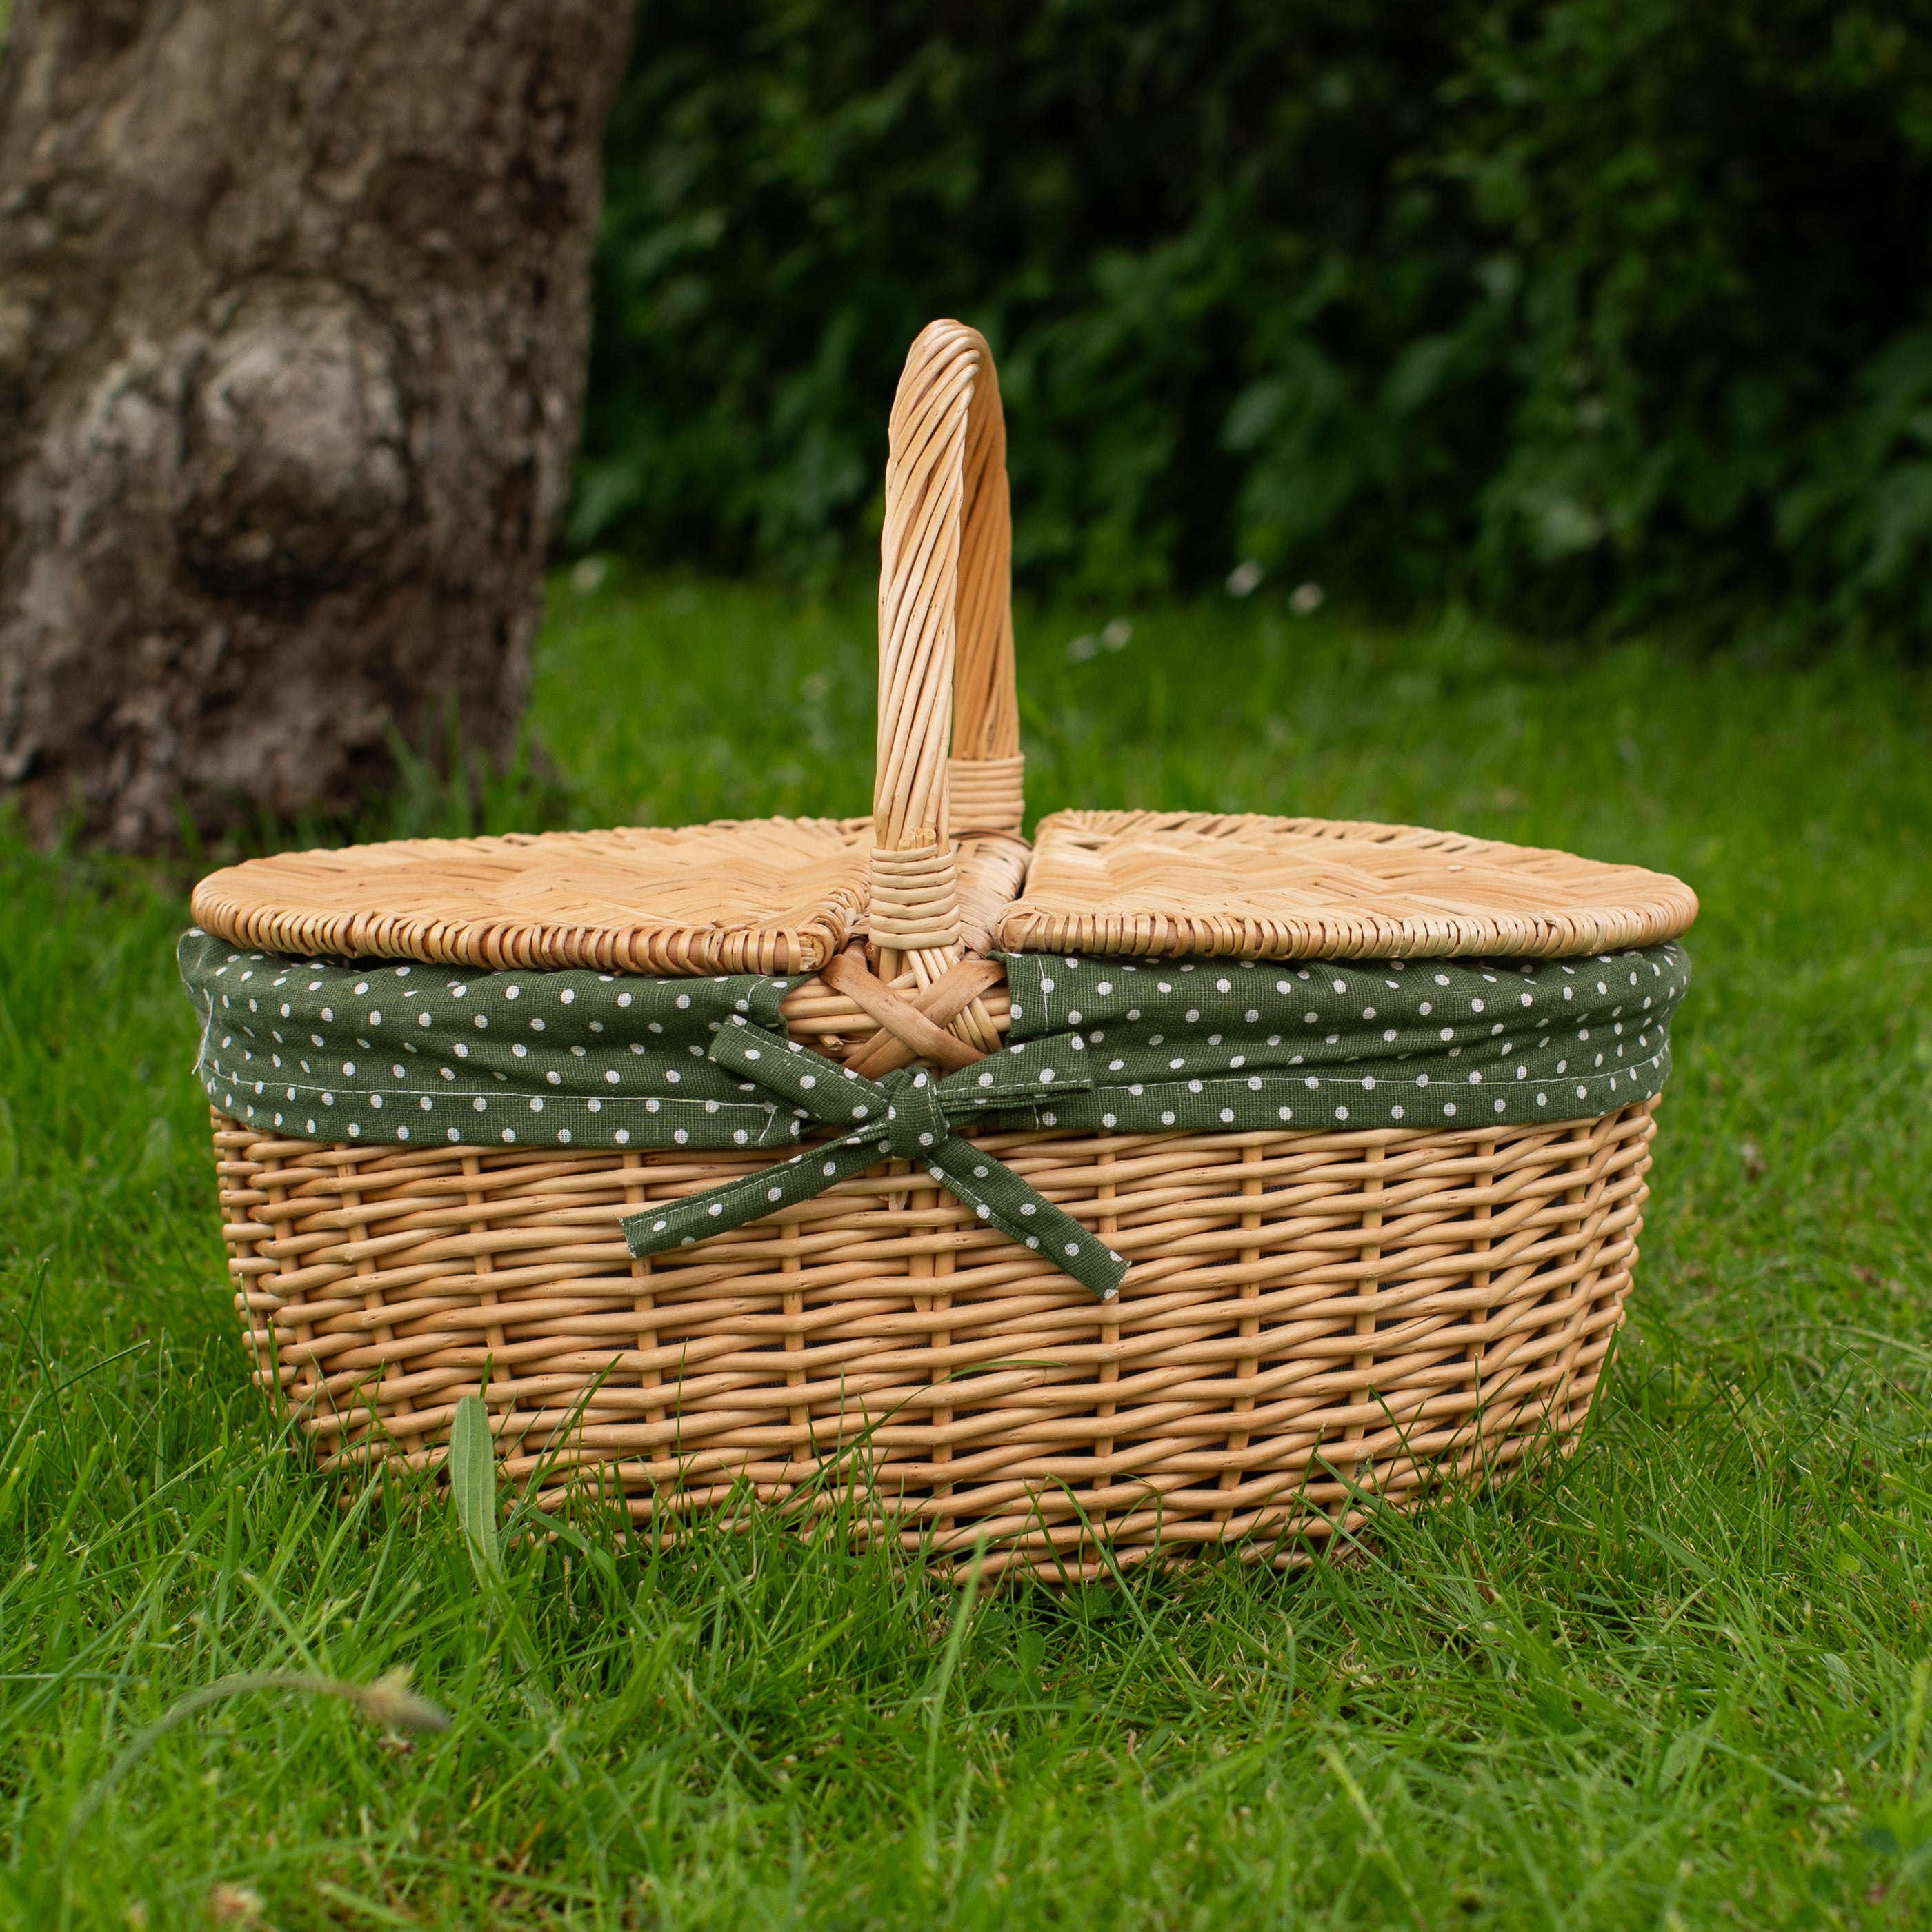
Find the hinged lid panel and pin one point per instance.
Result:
(1243, 886)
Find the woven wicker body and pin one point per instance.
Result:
(1315, 1318)
(1309, 1318)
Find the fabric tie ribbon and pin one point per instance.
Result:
(907, 1115)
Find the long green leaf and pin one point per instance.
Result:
(473, 1484)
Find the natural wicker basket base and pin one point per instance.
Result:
(1318, 1316)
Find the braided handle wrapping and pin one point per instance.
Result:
(949, 757)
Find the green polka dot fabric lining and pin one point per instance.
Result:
(1206, 1045)
(400, 1052)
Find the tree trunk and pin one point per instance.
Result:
(294, 306)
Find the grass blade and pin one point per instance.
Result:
(472, 1486)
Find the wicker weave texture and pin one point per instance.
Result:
(1309, 1318)
(758, 895)
(1245, 886)
(1313, 1318)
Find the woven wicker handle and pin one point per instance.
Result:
(945, 640)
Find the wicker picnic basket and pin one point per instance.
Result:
(1265, 1287)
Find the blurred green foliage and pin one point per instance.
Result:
(1568, 307)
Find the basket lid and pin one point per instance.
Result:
(754, 895)
(1245, 886)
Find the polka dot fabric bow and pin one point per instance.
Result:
(907, 1115)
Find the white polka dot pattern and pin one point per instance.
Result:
(1201, 1044)
(332, 1051)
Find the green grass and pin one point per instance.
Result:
(1681, 1680)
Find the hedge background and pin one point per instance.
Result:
(1602, 307)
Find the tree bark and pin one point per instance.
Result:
(294, 308)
